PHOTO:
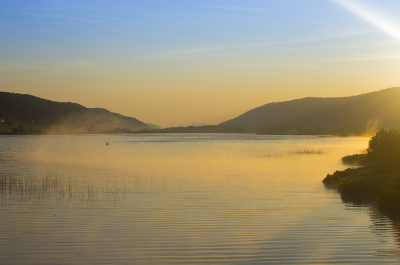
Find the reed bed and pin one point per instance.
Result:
(306, 152)
(264, 155)
(293, 152)
(54, 187)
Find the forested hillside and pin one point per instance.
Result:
(27, 110)
(381, 108)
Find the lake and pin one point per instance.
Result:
(184, 199)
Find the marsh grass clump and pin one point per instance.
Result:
(264, 155)
(115, 188)
(306, 152)
(54, 187)
(292, 152)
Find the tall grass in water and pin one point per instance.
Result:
(294, 152)
(54, 187)
(306, 152)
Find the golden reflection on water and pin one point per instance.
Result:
(190, 199)
(146, 155)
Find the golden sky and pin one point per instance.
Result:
(174, 62)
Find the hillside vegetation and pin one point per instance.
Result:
(378, 181)
(30, 114)
(381, 108)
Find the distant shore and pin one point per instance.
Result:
(37, 130)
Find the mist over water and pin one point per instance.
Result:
(187, 199)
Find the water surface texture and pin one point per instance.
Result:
(184, 199)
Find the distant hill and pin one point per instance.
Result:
(381, 108)
(31, 110)
(198, 124)
(153, 126)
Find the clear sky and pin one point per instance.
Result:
(174, 62)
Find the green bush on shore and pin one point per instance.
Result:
(368, 185)
(384, 150)
(356, 160)
(378, 180)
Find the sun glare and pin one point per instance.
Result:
(368, 13)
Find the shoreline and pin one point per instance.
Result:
(368, 185)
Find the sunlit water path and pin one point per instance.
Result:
(185, 199)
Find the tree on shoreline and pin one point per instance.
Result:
(384, 150)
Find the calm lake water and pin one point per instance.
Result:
(185, 199)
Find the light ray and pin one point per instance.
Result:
(373, 17)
